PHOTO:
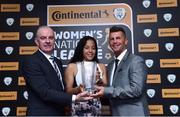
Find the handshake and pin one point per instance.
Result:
(87, 95)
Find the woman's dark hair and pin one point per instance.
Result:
(78, 54)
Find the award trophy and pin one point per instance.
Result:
(89, 75)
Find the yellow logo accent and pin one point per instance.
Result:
(7, 66)
(10, 7)
(168, 32)
(169, 63)
(153, 78)
(152, 47)
(27, 50)
(20, 111)
(171, 93)
(147, 18)
(21, 81)
(166, 3)
(156, 109)
(9, 35)
(29, 22)
(9, 95)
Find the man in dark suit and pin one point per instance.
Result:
(44, 77)
(127, 79)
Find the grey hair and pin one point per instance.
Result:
(42, 27)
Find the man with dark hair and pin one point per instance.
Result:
(127, 78)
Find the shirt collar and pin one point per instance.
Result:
(46, 55)
(120, 57)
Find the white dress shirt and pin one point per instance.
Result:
(120, 57)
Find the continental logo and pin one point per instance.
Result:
(21, 111)
(21, 81)
(7, 66)
(169, 63)
(10, 7)
(153, 78)
(156, 109)
(9, 95)
(29, 21)
(27, 50)
(147, 18)
(100, 14)
(168, 32)
(171, 93)
(9, 36)
(166, 3)
(154, 47)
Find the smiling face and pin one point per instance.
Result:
(118, 42)
(45, 40)
(89, 50)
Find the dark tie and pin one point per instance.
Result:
(116, 64)
(57, 70)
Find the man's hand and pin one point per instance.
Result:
(84, 96)
(99, 92)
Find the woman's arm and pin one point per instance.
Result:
(70, 73)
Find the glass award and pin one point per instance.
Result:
(89, 75)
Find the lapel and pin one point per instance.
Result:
(52, 77)
(119, 68)
(45, 62)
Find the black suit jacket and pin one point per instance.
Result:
(46, 96)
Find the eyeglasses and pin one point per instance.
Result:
(46, 37)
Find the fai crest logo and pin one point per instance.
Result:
(6, 111)
(7, 80)
(25, 94)
(119, 13)
(29, 7)
(10, 21)
(151, 93)
(149, 63)
(147, 32)
(29, 35)
(169, 46)
(171, 78)
(146, 3)
(167, 17)
(174, 109)
(9, 50)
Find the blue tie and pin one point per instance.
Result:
(57, 70)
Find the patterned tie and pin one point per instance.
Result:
(57, 70)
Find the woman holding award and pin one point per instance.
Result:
(82, 73)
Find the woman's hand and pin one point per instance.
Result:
(99, 80)
(80, 88)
